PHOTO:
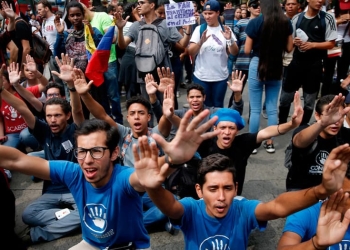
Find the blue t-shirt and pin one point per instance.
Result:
(254, 30)
(304, 223)
(231, 232)
(109, 215)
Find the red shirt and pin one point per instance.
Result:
(13, 121)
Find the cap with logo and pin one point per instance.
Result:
(212, 5)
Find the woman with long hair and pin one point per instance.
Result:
(268, 36)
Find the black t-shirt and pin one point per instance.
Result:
(307, 164)
(56, 147)
(5, 38)
(239, 152)
(21, 32)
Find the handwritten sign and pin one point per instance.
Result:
(178, 14)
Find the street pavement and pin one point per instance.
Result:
(265, 180)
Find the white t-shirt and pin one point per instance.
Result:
(49, 30)
(211, 61)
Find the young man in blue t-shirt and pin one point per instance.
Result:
(324, 225)
(107, 195)
(218, 220)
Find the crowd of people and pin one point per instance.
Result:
(115, 181)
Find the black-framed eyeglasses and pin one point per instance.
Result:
(141, 2)
(255, 5)
(95, 152)
(53, 95)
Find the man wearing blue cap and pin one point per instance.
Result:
(239, 147)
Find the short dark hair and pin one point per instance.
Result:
(45, 4)
(162, 3)
(110, 8)
(155, 3)
(215, 162)
(51, 85)
(324, 100)
(75, 4)
(96, 125)
(59, 101)
(138, 99)
(197, 87)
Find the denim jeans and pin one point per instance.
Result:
(40, 216)
(152, 214)
(256, 87)
(112, 89)
(28, 140)
(13, 140)
(230, 61)
(214, 92)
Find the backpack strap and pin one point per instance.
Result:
(300, 18)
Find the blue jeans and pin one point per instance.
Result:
(152, 214)
(40, 216)
(230, 61)
(28, 140)
(214, 92)
(12, 140)
(256, 87)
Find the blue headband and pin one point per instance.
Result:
(229, 115)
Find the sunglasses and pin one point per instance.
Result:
(255, 5)
(141, 2)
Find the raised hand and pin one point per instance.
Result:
(334, 111)
(14, 73)
(335, 169)
(80, 84)
(227, 33)
(119, 21)
(66, 68)
(168, 102)
(332, 226)
(8, 10)
(31, 65)
(237, 81)
(188, 137)
(151, 85)
(58, 24)
(166, 78)
(149, 174)
(204, 38)
(298, 113)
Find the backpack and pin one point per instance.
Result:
(41, 51)
(182, 182)
(150, 51)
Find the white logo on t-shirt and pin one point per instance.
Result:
(320, 160)
(217, 242)
(343, 245)
(95, 217)
(67, 145)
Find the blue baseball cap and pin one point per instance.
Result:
(229, 115)
(212, 5)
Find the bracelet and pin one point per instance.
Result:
(171, 165)
(186, 33)
(40, 76)
(279, 130)
(313, 243)
(72, 89)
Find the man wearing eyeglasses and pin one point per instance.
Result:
(107, 194)
(56, 136)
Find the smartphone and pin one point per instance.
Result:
(62, 213)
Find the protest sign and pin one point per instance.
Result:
(178, 14)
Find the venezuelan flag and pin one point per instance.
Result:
(98, 63)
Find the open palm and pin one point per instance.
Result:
(166, 78)
(80, 84)
(14, 73)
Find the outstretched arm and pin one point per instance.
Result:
(14, 160)
(18, 104)
(287, 203)
(275, 130)
(150, 176)
(68, 76)
(31, 66)
(332, 113)
(123, 41)
(82, 88)
(331, 227)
